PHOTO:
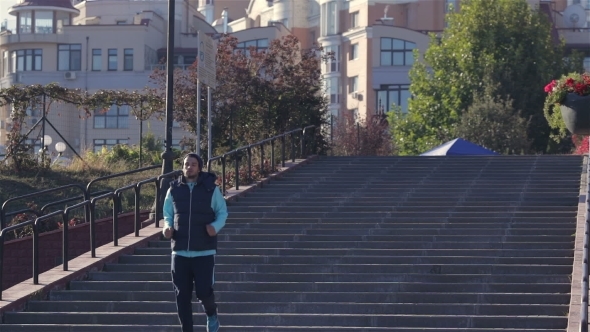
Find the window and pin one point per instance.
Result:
(353, 84)
(587, 64)
(354, 51)
(113, 59)
(69, 57)
(333, 89)
(27, 60)
(396, 94)
(96, 59)
(25, 23)
(128, 59)
(5, 63)
(329, 18)
(43, 21)
(108, 143)
(121, 22)
(62, 17)
(354, 20)
(583, 3)
(396, 52)
(258, 45)
(114, 117)
(333, 65)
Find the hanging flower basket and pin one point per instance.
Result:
(575, 111)
(567, 105)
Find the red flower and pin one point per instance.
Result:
(549, 87)
(570, 82)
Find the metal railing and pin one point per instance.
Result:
(39, 193)
(237, 154)
(90, 199)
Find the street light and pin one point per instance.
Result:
(45, 142)
(60, 147)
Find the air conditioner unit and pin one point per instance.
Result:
(70, 75)
(355, 95)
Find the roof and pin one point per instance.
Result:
(458, 147)
(67, 4)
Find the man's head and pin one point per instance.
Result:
(191, 166)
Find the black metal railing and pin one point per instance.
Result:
(4, 207)
(237, 154)
(90, 199)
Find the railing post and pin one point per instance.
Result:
(1, 260)
(237, 157)
(35, 253)
(249, 164)
(283, 151)
(302, 142)
(136, 212)
(293, 147)
(262, 172)
(272, 155)
(2, 217)
(157, 215)
(92, 231)
(223, 175)
(64, 249)
(116, 208)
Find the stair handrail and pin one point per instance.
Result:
(38, 193)
(248, 148)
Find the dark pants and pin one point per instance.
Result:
(186, 272)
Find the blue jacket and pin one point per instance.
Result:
(189, 207)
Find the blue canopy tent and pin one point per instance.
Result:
(458, 147)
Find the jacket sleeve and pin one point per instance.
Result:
(168, 210)
(218, 205)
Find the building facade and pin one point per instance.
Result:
(116, 44)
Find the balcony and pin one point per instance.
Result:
(7, 38)
(578, 36)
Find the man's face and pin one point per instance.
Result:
(191, 167)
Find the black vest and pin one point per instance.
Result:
(192, 213)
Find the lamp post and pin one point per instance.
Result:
(45, 142)
(167, 156)
(60, 147)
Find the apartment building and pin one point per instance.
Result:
(115, 44)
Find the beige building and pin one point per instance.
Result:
(115, 44)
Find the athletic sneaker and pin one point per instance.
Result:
(212, 323)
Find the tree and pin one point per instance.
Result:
(495, 124)
(505, 41)
(259, 94)
(360, 137)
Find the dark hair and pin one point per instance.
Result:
(196, 156)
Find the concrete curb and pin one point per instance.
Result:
(573, 324)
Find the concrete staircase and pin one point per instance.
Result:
(363, 244)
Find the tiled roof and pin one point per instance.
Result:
(49, 3)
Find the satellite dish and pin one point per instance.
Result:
(574, 16)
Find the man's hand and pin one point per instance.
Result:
(211, 230)
(168, 232)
